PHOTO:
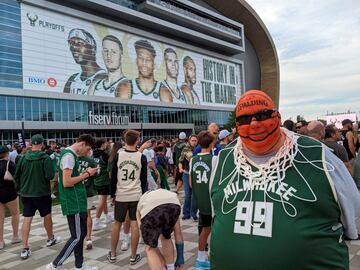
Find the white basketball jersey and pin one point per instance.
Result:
(109, 91)
(81, 87)
(139, 94)
(180, 99)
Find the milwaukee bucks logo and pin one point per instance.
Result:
(32, 18)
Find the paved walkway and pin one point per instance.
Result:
(41, 255)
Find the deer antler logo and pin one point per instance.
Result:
(32, 18)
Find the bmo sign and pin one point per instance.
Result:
(36, 80)
(52, 82)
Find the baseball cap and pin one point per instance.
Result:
(182, 135)
(223, 134)
(37, 139)
(3, 149)
(346, 121)
(82, 34)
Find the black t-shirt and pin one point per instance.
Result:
(346, 144)
(6, 183)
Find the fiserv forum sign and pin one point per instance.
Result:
(86, 58)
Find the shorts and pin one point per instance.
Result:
(7, 194)
(160, 220)
(103, 190)
(90, 202)
(205, 220)
(31, 204)
(121, 209)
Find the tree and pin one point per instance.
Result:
(231, 123)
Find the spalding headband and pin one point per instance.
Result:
(253, 101)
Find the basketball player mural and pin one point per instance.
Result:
(83, 49)
(169, 90)
(112, 51)
(187, 88)
(280, 200)
(144, 87)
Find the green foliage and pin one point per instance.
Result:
(231, 121)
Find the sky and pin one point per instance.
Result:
(318, 44)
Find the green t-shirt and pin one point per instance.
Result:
(292, 224)
(101, 158)
(73, 199)
(200, 171)
(86, 162)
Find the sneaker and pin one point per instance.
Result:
(53, 196)
(2, 245)
(185, 218)
(93, 207)
(110, 257)
(135, 259)
(124, 245)
(53, 241)
(98, 225)
(15, 240)
(202, 265)
(50, 266)
(109, 218)
(25, 253)
(195, 218)
(88, 244)
(87, 267)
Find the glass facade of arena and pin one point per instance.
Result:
(40, 110)
(50, 110)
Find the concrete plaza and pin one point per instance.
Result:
(42, 255)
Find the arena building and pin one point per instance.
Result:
(102, 66)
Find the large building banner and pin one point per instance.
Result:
(67, 55)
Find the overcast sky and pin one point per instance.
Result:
(318, 44)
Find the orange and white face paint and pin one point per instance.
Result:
(257, 121)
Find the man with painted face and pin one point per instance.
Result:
(277, 195)
(83, 49)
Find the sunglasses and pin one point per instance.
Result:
(259, 116)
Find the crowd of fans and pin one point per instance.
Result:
(123, 172)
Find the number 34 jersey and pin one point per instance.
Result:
(200, 172)
(293, 224)
(128, 188)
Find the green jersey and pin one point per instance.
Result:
(200, 172)
(289, 224)
(86, 162)
(72, 199)
(102, 178)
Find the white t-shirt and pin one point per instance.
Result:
(67, 161)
